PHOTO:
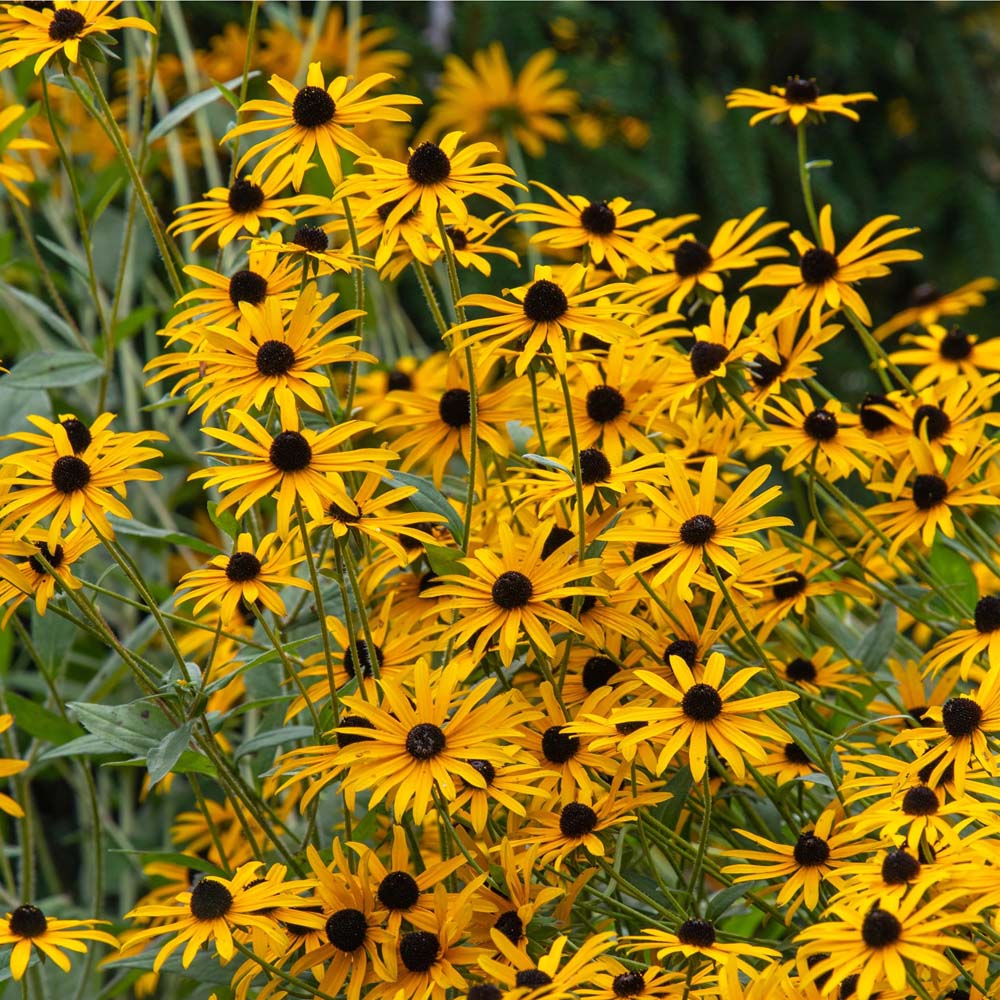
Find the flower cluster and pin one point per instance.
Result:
(607, 654)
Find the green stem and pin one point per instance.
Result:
(806, 183)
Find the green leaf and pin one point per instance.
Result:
(679, 788)
(227, 95)
(429, 498)
(188, 107)
(162, 758)
(83, 746)
(548, 463)
(444, 560)
(40, 722)
(225, 522)
(42, 311)
(139, 530)
(722, 900)
(15, 406)
(194, 762)
(134, 728)
(191, 861)
(879, 640)
(273, 738)
(73, 260)
(54, 369)
(955, 572)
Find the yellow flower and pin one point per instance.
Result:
(316, 116)
(486, 100)
(28, 927)
(825, 277)
(796, 99)
(62, 28)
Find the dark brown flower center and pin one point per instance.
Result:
(929, 491)
(604, 404)
(512, 590)
(872, 419)
(70, 474)
(313, 107)
(559, 746)
(545, 302)
(598, 218)
(702, 703)
(531, 979)
(210, 900)
(628, 984)
(577, 820)
(510, 925)
(931, 421)
(800, 669)
(274, 357)
(686, 649)
(955, 345)
(398, 891)
(359, 654)
(459, 238)
(428, 165)
(697, 530)
(791, 585)
(347, 929)
(556, 538)
(425, 740)
(987, 616)
(247, 286)
(920, 801)
(705, 357)
(764, 371)
(53, 558)
(799, 91)
(821, 425)
(78, 433)
(594, 467)
(696, 933)
(290, 452)
(880, 928)
(811, 851)
(419, 949)
(66, 24)
(691, 258)
(245, 196)
(28, 921)
(597, 671)
(312, 238)
(899, 867)
(455, 408)
(818, 265)
(961, 717)
(243, 566)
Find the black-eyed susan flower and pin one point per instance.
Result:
(882, 938)
(818, 854)
(62, 28)
(959, 733)
(968, 482)
(689, 264)
(309, 246)
(58, 482)
(795, 100)
(966, 644)
(316, 116)
(943, 353)
(697, 937)
(929, 305)
(269, 353)
(616, 981)
(487, 101)
(266, 276)
(9, 766)
(602, 227)
(413, 749)
(558, 831)
(426, 963)
(513, 594)
(352, 926)
(470, 241)
(611, 402)
(825, 435)
(295, 464)
(401, 892)
(370, 516)
(718, 345)
(250, 573)
(36, 576)
(217, 907)
(695, 714)
(438, 423)
(825, 277)
(434, 177)
(700, 528)
(542, 316)
(553, 975)
(240, 208)
(28, 928)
